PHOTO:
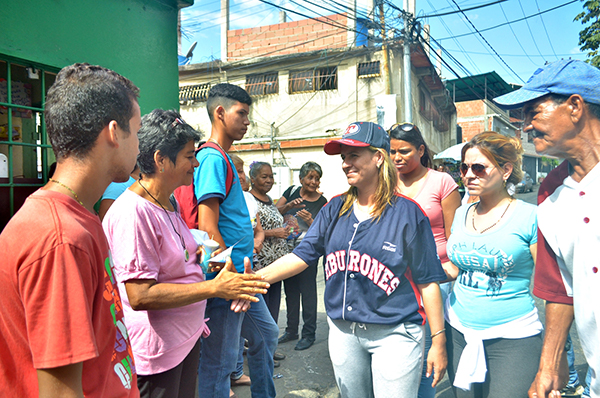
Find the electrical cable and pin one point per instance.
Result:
(464, 9)
(529, 28)
(516, 37)
(513, 21)
(492, 48)
(546, 30)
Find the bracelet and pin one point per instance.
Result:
(438, 332)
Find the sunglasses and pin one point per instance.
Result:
(406, 126)
(477, 168)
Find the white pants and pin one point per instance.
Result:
(377, 361)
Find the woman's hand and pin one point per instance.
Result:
(306, 216)
(437, 359)
(240, 305)
(282, 232)
(295, 204)
(230, 285)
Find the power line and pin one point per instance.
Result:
(529, 28)
(546, 30)
(513, 21)
(464, 9)
(489, 45)
(516, 37)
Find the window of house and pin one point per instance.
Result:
(369, 69)
(25, 153)
(313, 80)
(263, 84)
(194, 93)
(430, 111)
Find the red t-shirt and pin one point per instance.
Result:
(59, 303)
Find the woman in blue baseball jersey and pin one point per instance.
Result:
(494, 334)
(381, 271)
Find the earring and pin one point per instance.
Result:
(162, 170)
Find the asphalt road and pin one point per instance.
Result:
(309, 373)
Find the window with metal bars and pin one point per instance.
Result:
(194, 93)
(313, 80)
(25, 153)
(263, 84)
(369, 69)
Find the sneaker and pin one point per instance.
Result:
(572, 391)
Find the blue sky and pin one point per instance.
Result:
(522, 49)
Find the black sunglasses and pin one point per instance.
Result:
(477, 168)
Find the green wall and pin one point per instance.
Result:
(136, 38)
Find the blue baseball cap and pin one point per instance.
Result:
(564, 77)
(360, 134)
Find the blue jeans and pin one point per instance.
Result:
(573, 377)
(220, 349)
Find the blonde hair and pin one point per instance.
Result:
(386, 187)
(500, 150)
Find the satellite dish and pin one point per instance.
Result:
(191, 50)
(185, 60)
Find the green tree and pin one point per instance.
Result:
(589, 37)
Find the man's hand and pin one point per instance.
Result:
(231, 286)
(548, 382)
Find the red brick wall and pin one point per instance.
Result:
(278, 39)
(470, 108)
(472, 128)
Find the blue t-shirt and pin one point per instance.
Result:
(495, 268)
(234, 220)
(115, 189)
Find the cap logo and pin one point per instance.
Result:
(351, 130)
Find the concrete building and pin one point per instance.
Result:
(309, 80)
(136, 38)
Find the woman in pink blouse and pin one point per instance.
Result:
(436, 193)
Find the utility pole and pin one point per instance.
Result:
(384, 48)
(407, 65)
(224, 28)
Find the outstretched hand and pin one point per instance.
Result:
(233, 286)
(241, 305)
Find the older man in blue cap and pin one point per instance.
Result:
(561, 107)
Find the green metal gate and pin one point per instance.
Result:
(25, 155)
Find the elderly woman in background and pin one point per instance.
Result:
(381, 273)
(302, 203)
(274, 245)
(155, 262)
(436, 193)
(494, 334)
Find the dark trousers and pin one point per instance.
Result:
(174, 383)
(302, 285)
(511, 365)
(273, 300)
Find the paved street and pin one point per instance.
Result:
(309, 373)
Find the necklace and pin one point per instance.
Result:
(185, 251)
(70, 190)
(217, 142)
(494, 224)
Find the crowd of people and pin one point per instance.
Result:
(161, 294)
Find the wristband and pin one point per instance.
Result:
(438, 332)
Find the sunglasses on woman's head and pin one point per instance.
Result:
(477, 168)
(406, 127)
